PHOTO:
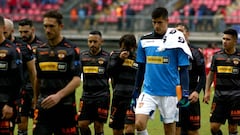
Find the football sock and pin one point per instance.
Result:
(219, 132)
(235, 133)
(144, 132)
(22, 132)
(129, 133)
(99, 133)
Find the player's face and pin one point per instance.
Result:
(8, 33)
(160, 25)
(94, 43)
(183, 30)
(52, 28)
(26, 32)
(228, 42)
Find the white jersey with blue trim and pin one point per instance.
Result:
(162, 56)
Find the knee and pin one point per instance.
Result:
(129, 128)
(140, 125)
(83, 124)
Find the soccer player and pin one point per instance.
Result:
(122, 69)
(225, 105)
(95, 100)
(189, 117)
(163, 60)
(10, 81)
(58, 75)
(29, 74)
(27, 34)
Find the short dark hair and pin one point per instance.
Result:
(95, 32)
(2, 21)
(232, 32)
(184, 25)
(25, 21)
(129, 41)
(160, 12)
(54, 14)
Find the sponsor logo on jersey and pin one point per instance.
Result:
(53, 66)
(93, 69)
(3, 65)
(224, 69)
(128, 62)
(157, 60)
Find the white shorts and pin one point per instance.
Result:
(167, 105)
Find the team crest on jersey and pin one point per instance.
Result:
(236, 61)
(34, 49)
(101, 61)
(62, 54)
(3, 53)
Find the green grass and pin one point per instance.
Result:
(155, 127)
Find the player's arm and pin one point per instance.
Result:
(32, 71)
(209, 81)
(184, 82)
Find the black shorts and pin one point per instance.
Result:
(121, 113)
(25, 102)
(223, 110)
(189, 117)
(94, 109)
(60, 120)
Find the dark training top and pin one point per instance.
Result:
(123, 73)
(27, 56)
(197, 74)
(10, 72)
(95, 74)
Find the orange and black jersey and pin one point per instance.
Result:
(227, 69)
(35, 43)
(122, 73)
(11, 71)
(197, 74)
(95, 74)
(56, 65)
(27, 56)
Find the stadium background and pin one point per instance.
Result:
(103, 12)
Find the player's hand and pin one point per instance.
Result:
(133, 104)
(193, 97)
(206, 97)
(50, 101)
(124, 54)
(7, 112)
(184, 101)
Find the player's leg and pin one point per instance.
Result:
(169, 113)
(145, 109)
(102, 106)
(85, 116)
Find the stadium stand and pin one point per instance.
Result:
(231, 18)
(34, 12)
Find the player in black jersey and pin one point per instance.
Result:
(95, 100)
(58, 76)
(27, 34)
(29, 74)
(122, 69)
(10, 81)
(189, 117)
(226, 101)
